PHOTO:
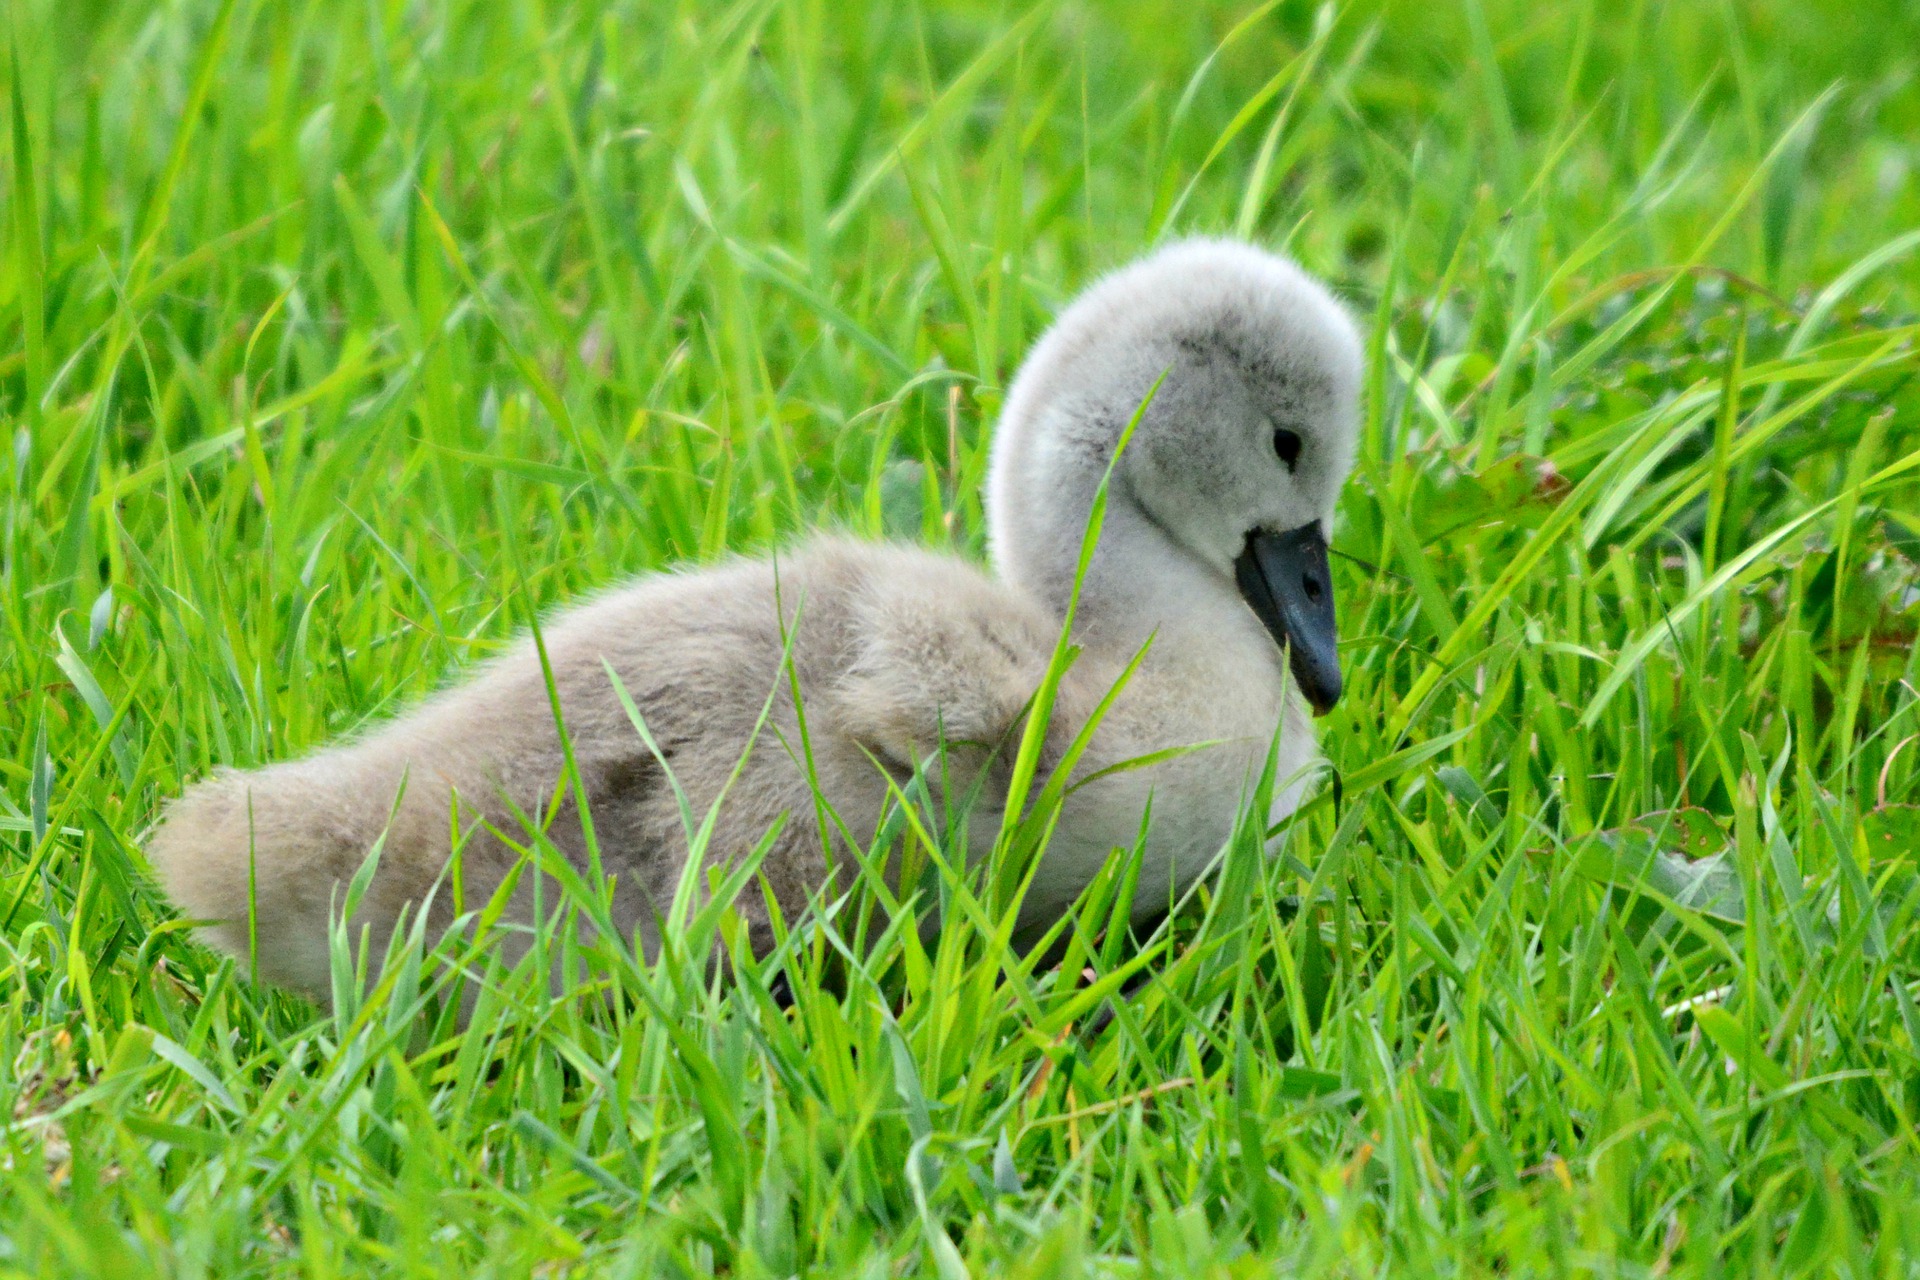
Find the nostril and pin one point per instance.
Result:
(1312, 586)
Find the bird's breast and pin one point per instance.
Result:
(1206, 721)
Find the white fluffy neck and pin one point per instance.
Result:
(1140, 584)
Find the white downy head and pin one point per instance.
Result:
(1229, 480)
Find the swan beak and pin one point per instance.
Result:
(1285, 580)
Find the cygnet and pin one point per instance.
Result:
(1212, 559)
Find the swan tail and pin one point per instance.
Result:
(262, 859)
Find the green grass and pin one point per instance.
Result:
(338, 339)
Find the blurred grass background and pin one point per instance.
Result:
(336, 339)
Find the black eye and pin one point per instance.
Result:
(1287, 445)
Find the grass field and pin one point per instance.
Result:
(337, 340)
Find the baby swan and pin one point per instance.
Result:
(1213, 557)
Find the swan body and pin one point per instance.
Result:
(1211, 558)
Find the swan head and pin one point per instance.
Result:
(1238, 457)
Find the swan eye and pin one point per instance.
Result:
(1287, 445)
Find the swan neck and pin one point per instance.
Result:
(1140, 583)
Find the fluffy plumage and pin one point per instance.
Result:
(891, 649)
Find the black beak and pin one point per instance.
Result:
(1285, 579)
